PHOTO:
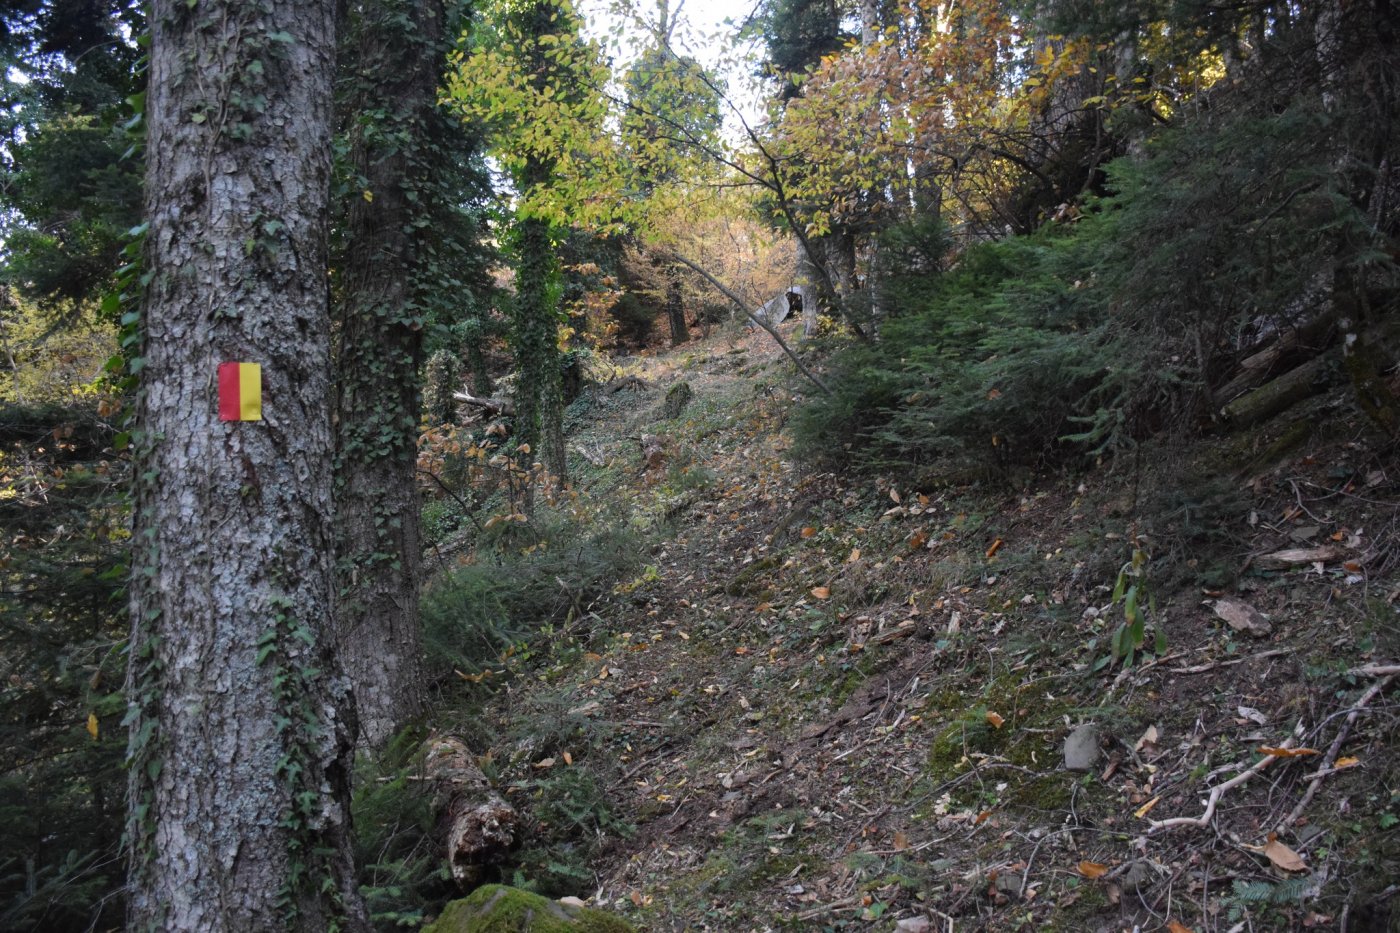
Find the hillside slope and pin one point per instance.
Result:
(836, 702)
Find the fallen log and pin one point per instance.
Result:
(1307, 339)
(480, 826)
(1281, 394)
(493, 406)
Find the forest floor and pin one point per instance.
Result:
(844, 702)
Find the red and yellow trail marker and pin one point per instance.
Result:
(240, 392)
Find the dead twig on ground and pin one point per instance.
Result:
(1218, 792)
(1329, 760)
(1375, 670)
(1202, 668)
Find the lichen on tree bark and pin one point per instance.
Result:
(240, 727)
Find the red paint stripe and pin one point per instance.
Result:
(230, 406)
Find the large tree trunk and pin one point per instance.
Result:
(241, 729)
(391, 67)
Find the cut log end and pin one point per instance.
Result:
(481, 827)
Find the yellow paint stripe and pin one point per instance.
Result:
(250, 391)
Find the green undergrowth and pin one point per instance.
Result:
(512, 595)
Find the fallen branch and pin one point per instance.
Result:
(1375, 670)
(1202, 668)
(1216, 793)
(758, 321)
(493, 406)
(1330, 759)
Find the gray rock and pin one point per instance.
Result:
(1082, 748)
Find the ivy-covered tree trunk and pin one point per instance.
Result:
(392, 56)
(535, 335)
(241, 727)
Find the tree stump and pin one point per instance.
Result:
(677, 397)
(653, 452)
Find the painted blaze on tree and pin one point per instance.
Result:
(240, 735)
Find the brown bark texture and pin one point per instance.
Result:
(240, 727)
(391, 61)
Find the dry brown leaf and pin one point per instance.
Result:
(995, 719)
(853, 556)
(544, 764)
(918, 540)
(808, 531)
(901, 841)
(1146, 808)
(1346, 761)
(895, 497)
(1092, 870)
(1174, 927)
(1150, 737)
(1283, 857)
(92, 725)
(821, 592)
(568, 759)
(1287, 752)
(996, 546)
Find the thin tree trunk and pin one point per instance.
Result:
(393, 56)
(241, 728)
(675, 309)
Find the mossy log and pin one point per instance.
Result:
(480, 826)
(1294, 344)
(1283, 393)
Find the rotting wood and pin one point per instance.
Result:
(1202, 668)
(481, 827)
(653, 451)
(1297, 557)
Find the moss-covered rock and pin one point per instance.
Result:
(496, 908)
